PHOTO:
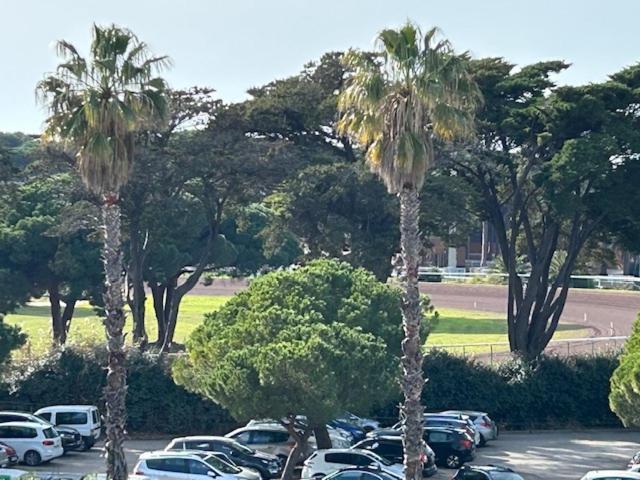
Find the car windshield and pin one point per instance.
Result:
(218, 464)
(505, 476)
(243, 448)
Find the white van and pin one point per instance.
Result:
(84, 418)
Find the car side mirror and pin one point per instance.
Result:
(212, 474)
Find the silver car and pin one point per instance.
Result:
(486, 427)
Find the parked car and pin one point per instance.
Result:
(488, 472)
(275, 440)
(362, 473)
(268, 465)
(324, 462)
(5, 460)
(611, 475)
(356, 432)
(339, 438)
(71, 438)
(391, 449)
(487, 427)
(366, 424)
(34, 443)
(453, 421)
(11, 453)
(193, 465)
(84, 418)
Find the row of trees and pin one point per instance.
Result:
(199, 185)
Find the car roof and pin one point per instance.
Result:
(367, 469)
(203, 437)
(490, 468)
(62, 408)
(25, 424)
(172, 453)
(267, 427)
(595, 474)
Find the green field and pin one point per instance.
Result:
(454, 326)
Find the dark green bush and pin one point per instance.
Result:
(155, 404)
(557, 391)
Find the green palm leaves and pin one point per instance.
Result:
(413, 88)
(98, 104)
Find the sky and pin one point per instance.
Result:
(233, 45)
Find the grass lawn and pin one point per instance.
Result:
(454, 326)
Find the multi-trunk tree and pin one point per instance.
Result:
(550, 168)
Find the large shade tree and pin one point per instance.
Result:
(414, 90)
(97, 105)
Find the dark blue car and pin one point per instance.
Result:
(356, 432)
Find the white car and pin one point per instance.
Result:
(339, 438)
(324, 462)
(84, 418)
(611, 475)
(274, 439)
(487, 427)
(34, 443)
(163, 465)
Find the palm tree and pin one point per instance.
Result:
(97, 106)
(397, 101)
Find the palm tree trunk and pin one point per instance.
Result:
(116, 388)
(412, 380)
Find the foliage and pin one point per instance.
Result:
(573, 391)
(625, 382)
(154, 403)
(295, 342)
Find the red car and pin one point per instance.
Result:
(11, 454)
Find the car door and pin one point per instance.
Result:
(200, 470)
(170, 468)
(438, 443)
(391, 451)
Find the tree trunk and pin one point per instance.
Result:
(412, 381)
(115, 390)
(67, 315)
(323, 440)
(484, 244)
(137, 303)
(59, 334)
(298, 450)
(158, 293)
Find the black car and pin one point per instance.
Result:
(71, 438)
(453, 447)
(488, 472)
(390, 448)
(269, 466)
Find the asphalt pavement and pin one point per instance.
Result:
(549, 455)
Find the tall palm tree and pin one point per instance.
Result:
(97, 105)
(396, 102)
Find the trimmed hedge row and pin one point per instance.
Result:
(556, 392)
(155, 404)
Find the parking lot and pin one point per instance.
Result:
(560, 455)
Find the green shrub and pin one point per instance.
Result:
(624, 396)
(155, 404)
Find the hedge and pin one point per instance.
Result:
(555, 393)
(155, 404)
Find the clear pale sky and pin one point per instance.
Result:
(235, 44)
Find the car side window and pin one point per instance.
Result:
(243, 437)
(337, 458)
(178, 465)
(437, 437)
(46, 416)
(198, 468)
(25, 432)
(4, 432)
(71, 418)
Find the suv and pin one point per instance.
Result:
(489, 472)
(189, 465)
(324, 462)
(269, 466)
(84, 418)
(390, 448)
(487, 427)
(34, 443)
(71, 438)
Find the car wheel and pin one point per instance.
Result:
(32, 458)
(87, 443)
(453, 461)
(483, 441)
